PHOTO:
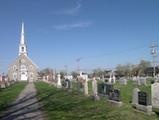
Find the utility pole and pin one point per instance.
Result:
(154, 55)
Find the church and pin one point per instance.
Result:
(23, 69)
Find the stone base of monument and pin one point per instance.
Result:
(115, 103)
(143, 108)
(155, 109)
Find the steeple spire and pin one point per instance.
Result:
(22, 45)
(22, 35)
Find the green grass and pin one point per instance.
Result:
(63, 105)
(9, 94)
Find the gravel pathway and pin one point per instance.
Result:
(26, 106)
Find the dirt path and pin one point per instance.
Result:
(26, 106)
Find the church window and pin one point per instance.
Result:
(22, 49)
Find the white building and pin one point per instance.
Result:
(23, 69)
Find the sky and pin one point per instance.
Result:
(102, 33)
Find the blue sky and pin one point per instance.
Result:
(103, 33)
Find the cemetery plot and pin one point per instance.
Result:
(75, 106)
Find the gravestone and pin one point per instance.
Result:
(110, 79)
(134, 78)
(86, 87)
(114, 98)
(135, 96)
(68, 84)
(155, 95)
(114, 79)
(141, 81)
(94, 88)
(105, 88)
(59, 81)
(141, 101)
(114, 95)
(123, 81)
(142, 98)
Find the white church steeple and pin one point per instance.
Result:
(22, 45)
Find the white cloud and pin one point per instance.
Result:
(72, 26)
(70, 11)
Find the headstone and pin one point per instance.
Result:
(94, 88)
(123, 81)
(135, 96)
(86, 87)
(110, 79)
(114, 79)
(155, 95)
(142, 98)
(114, 98)
(143, 103)
(68, 84)
(105, 88)
(142, 81)
(134, 78)
(58, 80)
(114, 95)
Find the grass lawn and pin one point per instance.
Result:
(9, 94)
(65, 105)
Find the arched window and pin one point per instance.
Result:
(22, 49)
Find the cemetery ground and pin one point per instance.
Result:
(9, 94)
(63, 104)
